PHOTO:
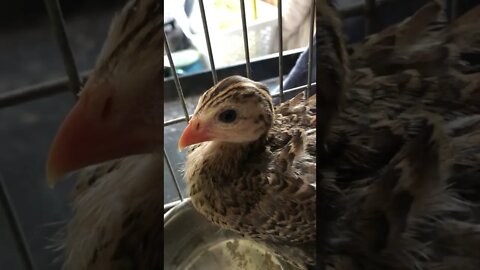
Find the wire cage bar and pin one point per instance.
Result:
(280, 49)
(170, 168)
(245, 39)
(12, 219)
(209, 44)
(58, 25)
(175, 76)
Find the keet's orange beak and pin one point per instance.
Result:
(195, 132)
(82, 141)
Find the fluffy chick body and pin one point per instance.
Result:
(262, 189)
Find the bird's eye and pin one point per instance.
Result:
(227, 116)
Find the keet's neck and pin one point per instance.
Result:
(222, 159)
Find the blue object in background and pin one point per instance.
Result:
(186, 62)
(298, 76)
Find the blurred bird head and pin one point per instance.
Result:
(236, 110)
(119, 111)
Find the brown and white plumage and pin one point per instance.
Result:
(256, 175)
(397, 187)
(254, 172)
(399, 170)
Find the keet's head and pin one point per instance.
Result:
(119, 111)
(236, 110)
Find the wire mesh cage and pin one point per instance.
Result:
(261, 30)
(73, 83)
(253, 32)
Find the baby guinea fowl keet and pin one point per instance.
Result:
(251, 167)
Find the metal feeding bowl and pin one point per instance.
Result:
(191, 242)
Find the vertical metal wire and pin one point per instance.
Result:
(209, 45)
(178, 86)
(170, 169)
(14, 223)
(56, 17)
(245, 38)
(280, 49)
(310, 51)
(369, 17)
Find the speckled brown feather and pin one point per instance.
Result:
(414, 42)
(240, 187)
(401, 161)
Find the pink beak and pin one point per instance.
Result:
(194, 133)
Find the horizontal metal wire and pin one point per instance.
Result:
(264, 67)
(36, 91)
(170, 205)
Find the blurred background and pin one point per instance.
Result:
(29, 58)
(29, 55)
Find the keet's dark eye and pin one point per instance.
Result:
(228, 116)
